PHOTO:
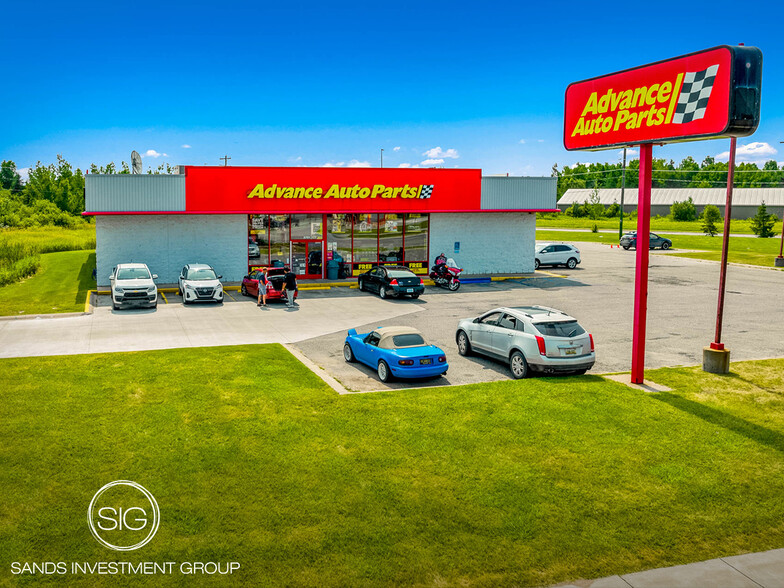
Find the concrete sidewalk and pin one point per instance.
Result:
(752, 570)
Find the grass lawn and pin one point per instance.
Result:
(738, 226)
(749, 250)
(253, 459)
(60, 285)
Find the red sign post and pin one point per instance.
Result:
(708, 94)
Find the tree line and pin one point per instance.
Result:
(667, 174)
(52, 194)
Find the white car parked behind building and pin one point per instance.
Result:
(556, 254)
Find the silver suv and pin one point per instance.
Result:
(529, 338)
(132, 285)
(198, 282)
(556, 254)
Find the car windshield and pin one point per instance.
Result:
(133, 273)
(409, 340)
(400, 274)
(560, 329)
(202, 274)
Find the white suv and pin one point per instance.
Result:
(132, 285)
(529, 338)
(198, 282)
(556, 254)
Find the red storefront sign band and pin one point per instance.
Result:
(709, 94)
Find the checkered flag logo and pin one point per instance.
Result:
(426, 191)
(696, 90)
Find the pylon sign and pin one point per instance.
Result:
(704, 95)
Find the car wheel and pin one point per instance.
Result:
(463, 344)
(383, 371)
(536, 264)
(454, 286)
(626, 247)
(348, 354)
(115, 306)
(243, 290)
(361, 285)
(665, 246)
(571, 263)
(518, 365)
(382, 291)
(154, 306)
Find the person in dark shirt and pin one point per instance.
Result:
(290, 287)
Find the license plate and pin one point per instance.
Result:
(570, 351)
(425, 361)
(409, 290)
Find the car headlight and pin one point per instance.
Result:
(189, 287)
(151, 289)
(118, 290)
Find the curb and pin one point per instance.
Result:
(322, 374)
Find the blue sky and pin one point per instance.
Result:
(466, 84)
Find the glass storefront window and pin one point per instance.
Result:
(366, 238)
(390, 238)
(416, 236)
(339, 242)
(279, 240)
(306, 226)
(258, 235)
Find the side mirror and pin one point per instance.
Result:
(246, 278)
(111, 276)
(155, 276)
(220, 277)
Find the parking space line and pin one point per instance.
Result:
(229, 295)
(163, 296)
(551, 274)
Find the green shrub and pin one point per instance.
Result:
(710, 216)
(763, 221)
(684, 211)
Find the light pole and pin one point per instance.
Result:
(382, 158)
(779, 261)
(623, 188)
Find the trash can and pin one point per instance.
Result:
(332, 269)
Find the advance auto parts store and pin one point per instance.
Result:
(328, 223)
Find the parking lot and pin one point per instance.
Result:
(599, 293)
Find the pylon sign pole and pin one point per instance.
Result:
(641, 272)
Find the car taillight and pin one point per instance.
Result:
(420, 281)
(442, 359)
(591, 338)
(393, 283)
(540, 343)
(406, 362)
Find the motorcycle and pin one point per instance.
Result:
(446, 274)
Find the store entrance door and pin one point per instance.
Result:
(306, 259)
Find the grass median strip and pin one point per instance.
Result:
(61, 285)
(254, 459)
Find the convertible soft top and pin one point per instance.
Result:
(388, 333)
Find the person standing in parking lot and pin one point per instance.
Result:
(290, 287)
(262, 301)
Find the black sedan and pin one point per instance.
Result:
(630, 240)
(391, 280)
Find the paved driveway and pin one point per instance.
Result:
(681, 319)
(681, 315)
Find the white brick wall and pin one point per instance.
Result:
(490, 243)
(168, 242)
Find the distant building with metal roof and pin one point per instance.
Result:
(745, 201)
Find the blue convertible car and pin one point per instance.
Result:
(399, 352)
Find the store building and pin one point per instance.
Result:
(331, 223)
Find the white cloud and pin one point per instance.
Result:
(540, 140)
(396, 149)
(405, 165)
(186, 146)
(630, 154)
(24, 173)
(153, 153)
(437, 152)
(522, 141)
(750, 152)
(352, 163)
(432, 162)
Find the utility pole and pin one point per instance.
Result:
(623, 188)
(382, 158)
(779, 261)
(225, 159)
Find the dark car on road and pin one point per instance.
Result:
(392, 280)
(630, 240)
